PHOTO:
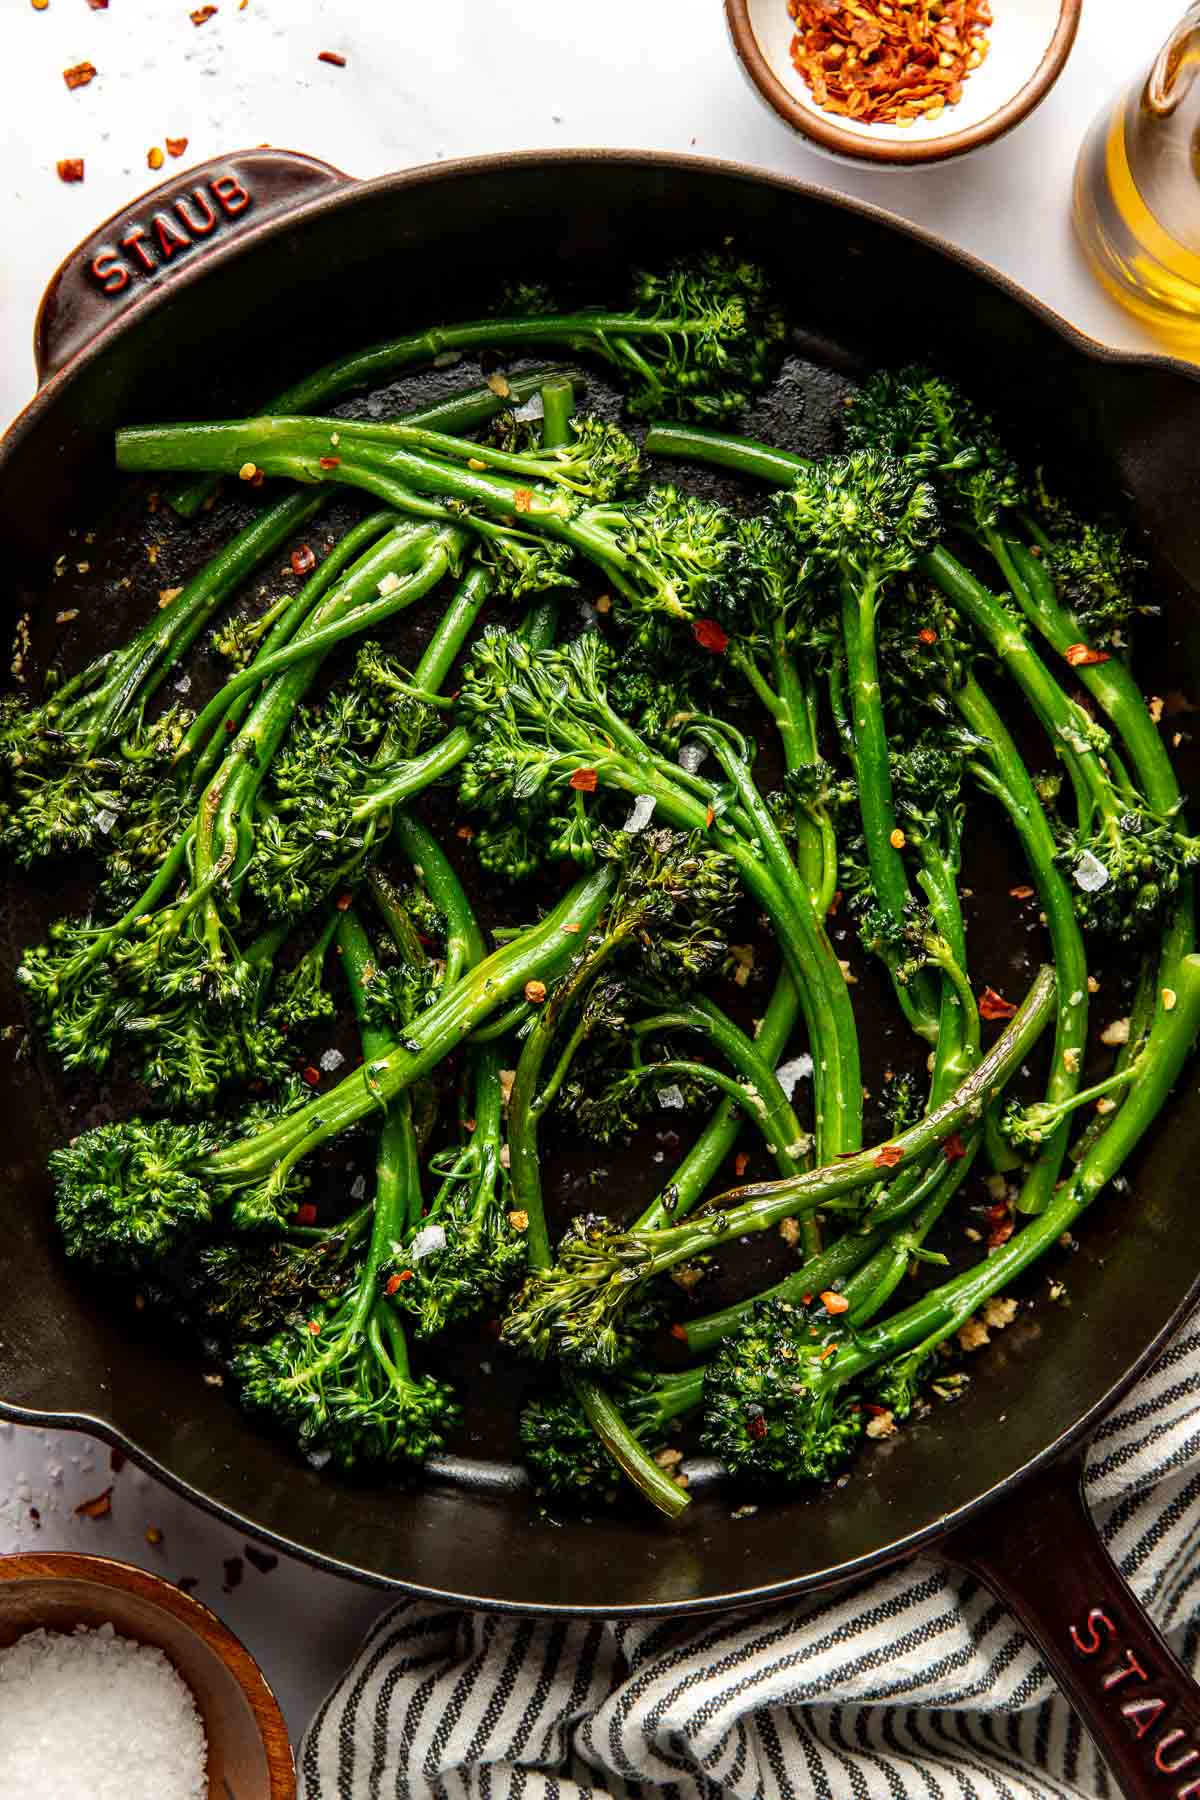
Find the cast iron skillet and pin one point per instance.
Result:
(298, 264)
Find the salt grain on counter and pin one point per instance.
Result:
(94, 1716)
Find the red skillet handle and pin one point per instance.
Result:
(162, 235)
(1039, 1551)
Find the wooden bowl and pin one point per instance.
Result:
(1030, 43)
(249, 1756)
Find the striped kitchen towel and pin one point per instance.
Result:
(917, 1686)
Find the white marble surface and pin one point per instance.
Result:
(425, 82)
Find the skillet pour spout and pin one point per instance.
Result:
(160, 315)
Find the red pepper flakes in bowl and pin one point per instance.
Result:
(888, 62)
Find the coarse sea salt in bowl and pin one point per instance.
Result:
(1028, 45)
(108, 1720)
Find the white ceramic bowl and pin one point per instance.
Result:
(1030, 41)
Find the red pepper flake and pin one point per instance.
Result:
(330, 462)
(306, 1214)
(953, 1148)
(98, 1507)
(680, 1332)
(392, 1283)
(202, 15)
(314, 1327)
(584, 781)
(927, 635)
(888, 1156)
(155, 158)
(311, 1076)
(465, 832)
(79, 74)
(535, 992)
(994, 1006)
(875, 1411)
(1020, 893)
(876, 62)
(303, 560)
(709, 816)
(829, 1350)
(331, 57)
(757, 1427)
(1001, 1230)
(70, 168)
(710, 636)
(342, 903)
(175, 146)
(740, 1164)
(806, 1299)
(835, 903)
(833, 1302)
(98, 5)
(523, 500)
(1082, 656)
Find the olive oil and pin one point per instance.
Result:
(1137, 193)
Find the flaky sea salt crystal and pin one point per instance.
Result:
(183, 685)
(691, 756)
(428, 1240)
(1090, 873)
(789, 1073)
(641, 813)
(532, 409)
(105, 820)
(93, 1713)
(358, 1187)
(670, 1096)
(331, 1060)
(317, 1459)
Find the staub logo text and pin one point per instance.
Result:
(1138, 1696)
(176, 226)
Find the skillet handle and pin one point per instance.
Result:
(1039, 1551)
(160, 237)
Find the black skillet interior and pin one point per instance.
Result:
(347, 273)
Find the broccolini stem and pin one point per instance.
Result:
(710, 1149)
(842, 1257)
(824, 995)
(464, 940)
(1000, 770)
(655, 1483)
(537, 954)
(460, 413)
(816, 849)
(761, 1205)
(558, 405)
(872, 1286)
(1141, 1017)
(368, 531)
(872, 766)
(935, 1317)
(133, 673)
(397, 1169)
(418, 557)
(452, 629)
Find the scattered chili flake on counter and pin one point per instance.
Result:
(98, 1507)
(40, 5)
(202, 15)
(888, 62)
(994, 1006)
(176, 146)
(70, 168)
(155, 158)
(331, 57)
(79, 74)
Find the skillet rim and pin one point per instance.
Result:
(58, 385)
